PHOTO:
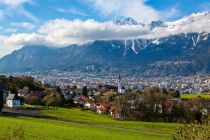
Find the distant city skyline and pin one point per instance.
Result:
(58, 23)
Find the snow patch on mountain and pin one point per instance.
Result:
(156, 42)
(133, 47)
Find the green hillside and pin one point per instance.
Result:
(74, 124)
(42, 129)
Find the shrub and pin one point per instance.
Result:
(193, 132)
(16, 133)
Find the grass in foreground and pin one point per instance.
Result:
(191, 96)
(90, 117)
(42, 129)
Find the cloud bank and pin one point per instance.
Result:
(63, 32)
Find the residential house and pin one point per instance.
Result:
(114, 113)
(79, 100)
(85, 102)
(104, 107)
(5, 95)
(89, 103)
(13, 101)
(22, 92)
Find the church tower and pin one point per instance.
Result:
(121, 89)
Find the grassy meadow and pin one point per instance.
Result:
(191, 96)
(40, 129)
(90, 117)
(74, 124)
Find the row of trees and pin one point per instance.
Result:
(158, 105)
(53, 99)
(15, 83)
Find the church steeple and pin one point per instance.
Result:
(119, 77)
(120, 86)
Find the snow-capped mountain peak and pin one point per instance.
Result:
(156, 24)
(195, 17)
(126, 21)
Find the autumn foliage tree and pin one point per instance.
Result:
(53, 99)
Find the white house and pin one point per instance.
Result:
(89, 103)
(13, 101)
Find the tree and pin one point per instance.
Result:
(32, 100)
(127, 105)
(85, 91)
(175, 93)
(1, 100)
(52, 99)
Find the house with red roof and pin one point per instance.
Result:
(104, 107)
(114, 113)
(85, 102)
(90, 104)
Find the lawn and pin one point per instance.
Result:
(91, 117)
(43, 129)
(191, 96)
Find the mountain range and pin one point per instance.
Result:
(180, 53)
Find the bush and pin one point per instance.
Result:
(14, 134)
(32, 100)
(193, 132)
(52, 99)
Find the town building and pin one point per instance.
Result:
(13, 101)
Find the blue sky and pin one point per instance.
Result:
(43, 10)
(28, 22)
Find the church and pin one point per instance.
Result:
(121, 88)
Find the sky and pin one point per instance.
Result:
(59, 23)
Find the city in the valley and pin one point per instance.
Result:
(197, 84)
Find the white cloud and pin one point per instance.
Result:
(71, 10)
(11, 30)
(126, 8)
(15, 7)
(170, 13)
(197, 22)
(15, 3)
(25, 25)
(62, 32)
(25, 39)
(16, 41)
